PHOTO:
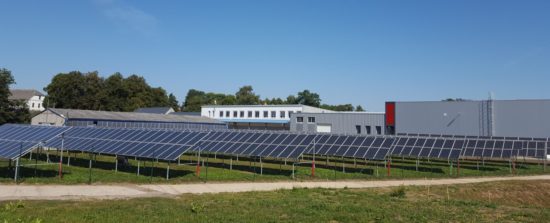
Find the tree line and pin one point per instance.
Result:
(246, 96)
(90, 91)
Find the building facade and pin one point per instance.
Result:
(351, 123)
(263, 117)
(72, 117)
(33, 98)
(512, 118)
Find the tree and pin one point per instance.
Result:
(194, 100)
(359, 108)
(11, 111)
(76, 90)
(291, 99)
(344, 107)
(308, 98)
(173, 102)
(246, 96)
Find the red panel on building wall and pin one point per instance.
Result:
(390, 113)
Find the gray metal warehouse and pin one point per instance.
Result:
(72, 117)
(504, 118)
(357, 123)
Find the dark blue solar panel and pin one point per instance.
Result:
(18, 140)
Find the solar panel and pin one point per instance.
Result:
(145, 143)
(18, 140)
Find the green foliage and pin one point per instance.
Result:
(308, 98)
(89, 91)
(359, 108)
(345, 107)
(173, 102)
(298, 205)
(11, 111)
(399, 192)
(197, 207)
(246, 96)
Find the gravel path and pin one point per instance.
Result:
(87, 192)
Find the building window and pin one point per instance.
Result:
(282, 114)
(299, 119)
(257, 114)
(221, 114)
(358, 128)
(379, 130)
(209, 114)
(273, 114)
(33, 105)
(311, 119)
(290, 114)
(369, 130)
(39, 105)
(266, 114)
(227, 114)
(250, 114)
(242, 114)
(235, 114)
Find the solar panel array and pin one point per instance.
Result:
(363, 147)
(170, 144)
(440, 148)
(18, 140)
(155, 144)
(262, 144)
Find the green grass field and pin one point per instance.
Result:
(511, 201)
(218, 169)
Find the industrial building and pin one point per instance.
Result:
(72, 117)
(353, 123)
(261, 117)
(504, 118)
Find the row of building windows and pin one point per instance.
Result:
(39, 104)
(309, 119)
(253, 114)
(368, 129)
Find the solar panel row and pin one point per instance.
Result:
(155, 144)
(428, 147)
(262, 144)
(18, 140)
(363, 147)
(170, 144)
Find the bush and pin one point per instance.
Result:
(399, 192)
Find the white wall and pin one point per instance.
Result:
(214, 112)
(36, 103)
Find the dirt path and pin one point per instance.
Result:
(85, 192)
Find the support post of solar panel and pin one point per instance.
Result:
(17, 164)
(198, 169)
(116, 163)
(90, 167)
(261, 167)
(313, 160)
(138, 161)
(68, 158)
(545, 155)
(61, 156)
(168, 171)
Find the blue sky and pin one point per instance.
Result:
(349, 51)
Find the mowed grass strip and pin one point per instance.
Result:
(218, 169)
(509, 201)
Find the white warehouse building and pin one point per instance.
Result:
(261, 117)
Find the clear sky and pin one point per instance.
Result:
(349, 51)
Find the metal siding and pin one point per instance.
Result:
(453, 118)
(342, 123)
(522, 118)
